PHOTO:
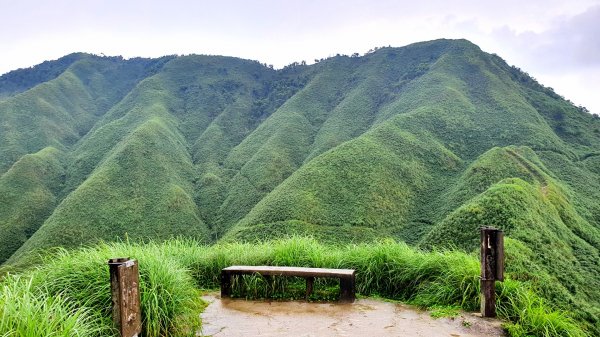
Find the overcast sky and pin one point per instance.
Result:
(556, 41)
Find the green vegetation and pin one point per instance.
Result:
(128, 197)
(20, 80)
(422, 144)
(77, 283)
(444, 311)
(28, 196)
(28, 312)
(334, 235)
(171, 274)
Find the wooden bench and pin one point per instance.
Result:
(346, 276)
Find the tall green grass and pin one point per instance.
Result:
(27, 311)
(170, 301)
(172, 273)
(391, 270)
(531, 315)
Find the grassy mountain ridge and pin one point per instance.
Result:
(20, 80)
(148, 206)
(423, 143)
(58, 112)
(29, 195)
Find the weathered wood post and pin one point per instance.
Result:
(124, 283)
(310, 281)
(226, 283)
(492, 268)
(348, 288)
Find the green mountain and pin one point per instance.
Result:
(424, 143)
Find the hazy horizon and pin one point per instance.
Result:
(554, 41)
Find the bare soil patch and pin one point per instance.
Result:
(365, 317)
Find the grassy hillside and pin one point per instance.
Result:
(126, 197)
(59, 111)
(423, 144)
(29, 195)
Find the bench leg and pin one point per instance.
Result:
(309, 286)
(347, 289)
(225, 284)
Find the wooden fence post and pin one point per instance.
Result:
(124, 283)
(492, 268)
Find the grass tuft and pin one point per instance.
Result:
(27, 311)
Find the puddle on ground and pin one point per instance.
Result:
(365, 317)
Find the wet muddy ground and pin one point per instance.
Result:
(365, 317)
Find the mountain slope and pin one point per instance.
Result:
(29, 195)
(423, 143)
(125, 197)
(61, 110)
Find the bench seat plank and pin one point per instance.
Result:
(290, 271)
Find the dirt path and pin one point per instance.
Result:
(365, 317)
